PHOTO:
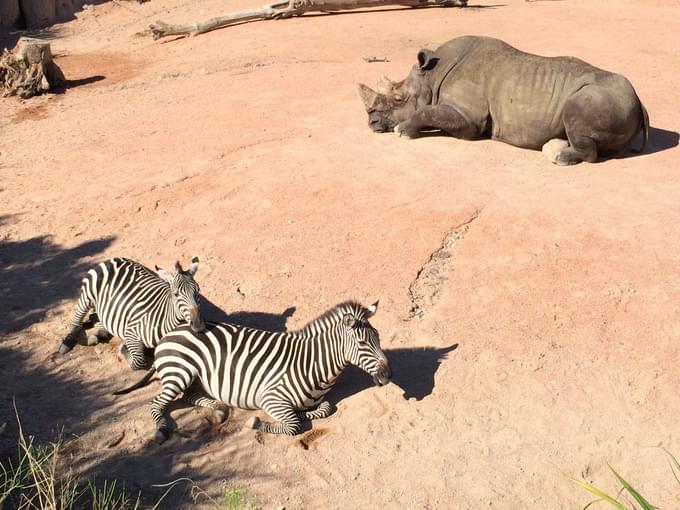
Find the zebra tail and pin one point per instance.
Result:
(142, 382)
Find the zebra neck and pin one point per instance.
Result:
(323, 356)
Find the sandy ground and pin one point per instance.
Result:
(547, 343)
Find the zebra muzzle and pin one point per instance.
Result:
(383, 375)
(197, 324)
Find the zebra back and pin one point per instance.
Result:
(131, 300)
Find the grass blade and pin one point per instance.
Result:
(646, 505)
(600, 494)
(675, 465)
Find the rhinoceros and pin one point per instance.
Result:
(479, 87)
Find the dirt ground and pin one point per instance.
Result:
(547, 338)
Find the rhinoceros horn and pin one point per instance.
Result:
(385, 85)
(368, 96)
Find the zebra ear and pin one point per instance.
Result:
(178, 267)
(349, 320)
(164, 275)
(372, 309)
(193, 268)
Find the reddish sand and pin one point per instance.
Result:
(249, 147)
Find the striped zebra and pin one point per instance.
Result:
(135, 304)
(285, 374)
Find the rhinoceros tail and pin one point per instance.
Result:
(645, 128)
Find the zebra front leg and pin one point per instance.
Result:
(323, 410)
(196, 396)
(159, 407)
(289, 422)
(135, 354)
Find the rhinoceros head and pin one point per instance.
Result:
(395, 102)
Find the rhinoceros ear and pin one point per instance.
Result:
(426, 59)
(368, 96)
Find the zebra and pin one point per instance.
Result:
(286, 374)
(135, 304)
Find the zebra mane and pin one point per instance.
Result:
(335, 315)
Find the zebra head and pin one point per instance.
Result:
(362, 343)
(184, 292)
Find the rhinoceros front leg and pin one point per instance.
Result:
(444, 117)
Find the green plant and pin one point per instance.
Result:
(237, 499)
(234, 498)
(627, 488)
(34, 482)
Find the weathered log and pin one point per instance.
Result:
(288, 9)
(29, 70)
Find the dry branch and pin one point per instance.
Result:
(29, 69)
(289, 9)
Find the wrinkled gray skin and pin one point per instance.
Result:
(479, 87)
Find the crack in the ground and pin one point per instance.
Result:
(425, 288)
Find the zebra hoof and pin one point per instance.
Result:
(92, 340)
(162, 436)
(221, 414)
(253, 423)
(63, 348)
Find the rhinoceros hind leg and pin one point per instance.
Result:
(584, 150)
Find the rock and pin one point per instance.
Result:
(115, 440)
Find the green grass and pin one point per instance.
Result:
(634, 498)
(232, 498)
(34, 481)
(237, 499)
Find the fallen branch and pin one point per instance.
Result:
(282, 10)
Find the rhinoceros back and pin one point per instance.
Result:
(517, 96)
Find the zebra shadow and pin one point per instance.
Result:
(413, 370)
(258, 320)
(36, 274)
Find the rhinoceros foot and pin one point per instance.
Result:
(404, 129)
(553, 148)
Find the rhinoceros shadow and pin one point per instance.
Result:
(659, 140)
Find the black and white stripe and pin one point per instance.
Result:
(285, 374)
(135, 304)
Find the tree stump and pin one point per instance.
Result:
(29, 70)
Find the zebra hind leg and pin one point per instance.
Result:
(85, 304)
(196, 396)
(71, 339)
(289, 421)
(100, 334)
(323, 410)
